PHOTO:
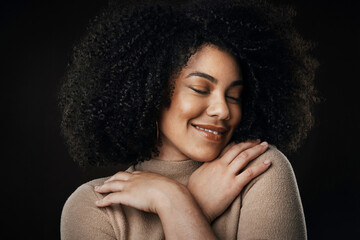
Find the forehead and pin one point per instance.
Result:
(215, 62)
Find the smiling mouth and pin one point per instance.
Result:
(213, 133)
(208, 130)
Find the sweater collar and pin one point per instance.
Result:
(177, 170)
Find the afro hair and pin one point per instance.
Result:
(120, 75)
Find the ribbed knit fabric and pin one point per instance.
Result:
(269, 207)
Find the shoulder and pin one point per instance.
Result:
(279, 177)
(85, 192)
(83, 197)
(277, 158)
(271, 202)
(82, 219)
(280, 165)
(80, 216)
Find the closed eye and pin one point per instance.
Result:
(237, 100)
(233, 99)
(199, 91)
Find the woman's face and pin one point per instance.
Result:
(205, 107)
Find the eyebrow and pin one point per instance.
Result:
(212, 79)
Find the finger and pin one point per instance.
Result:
(246, 156)
(112, 198)
(235, 150)
(227, 148)
(112, 186)
(252, 172)
(120, 176)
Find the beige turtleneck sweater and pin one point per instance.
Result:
(269, 207)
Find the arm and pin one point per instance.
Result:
(182, 218)
(271, 205)
(216, 184)
(179, 213)
(81, 219)
(213, 186)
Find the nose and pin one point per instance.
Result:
(218, 107)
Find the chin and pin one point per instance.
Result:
(207, 156)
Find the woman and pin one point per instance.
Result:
(183, 94)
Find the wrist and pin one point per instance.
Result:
(178, 197)
(209, 217)
(203, 207)
(180, 209)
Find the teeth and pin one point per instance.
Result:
(207, 130)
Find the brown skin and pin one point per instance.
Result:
(215, 106)
(216, 184)
(213, 186)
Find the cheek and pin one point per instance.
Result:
(186, 107)
(236, 115)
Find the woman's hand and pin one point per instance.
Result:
(217, 183)
(142, 190)
(155, 193)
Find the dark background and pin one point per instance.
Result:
(38, 175)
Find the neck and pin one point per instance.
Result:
(167, 152)
(171, 157)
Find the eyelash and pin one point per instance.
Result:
(206, 92)
(199, 91)
(237, 100)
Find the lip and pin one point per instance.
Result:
(221, 130)
(209, 135)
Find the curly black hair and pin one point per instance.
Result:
(121, 74)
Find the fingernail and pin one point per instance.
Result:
(264, 143)
(267, 162)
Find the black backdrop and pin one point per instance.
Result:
(38, 174)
